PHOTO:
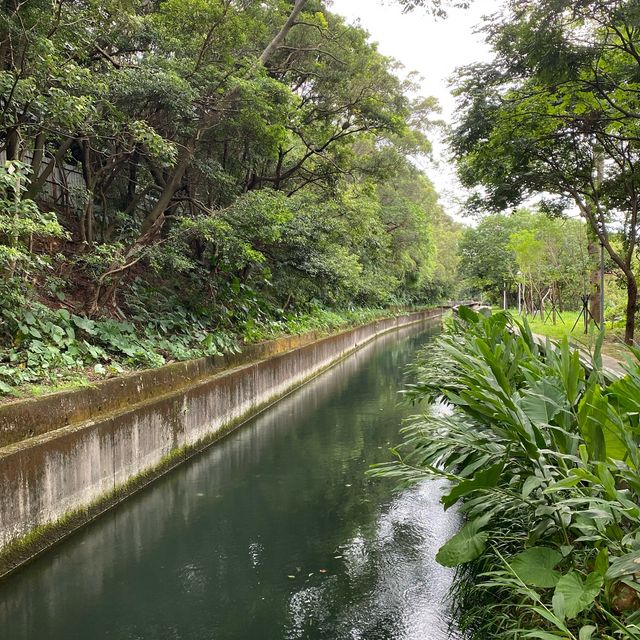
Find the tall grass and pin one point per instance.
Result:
(541, 454)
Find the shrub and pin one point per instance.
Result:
(541, 454)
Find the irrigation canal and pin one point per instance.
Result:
(273, 533)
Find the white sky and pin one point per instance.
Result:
(432, 47)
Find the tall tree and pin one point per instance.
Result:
(556, 112)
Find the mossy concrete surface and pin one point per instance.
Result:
(31, 417)
(96, 446)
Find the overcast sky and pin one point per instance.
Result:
(432, 47)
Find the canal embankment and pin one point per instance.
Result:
(68, 457)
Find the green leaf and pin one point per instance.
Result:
(624, 566)
(578, 595)
(468, 315)
(558, 606)
(485, 479)
(468, 544)
(542, 401)
(89, 326)
(535, 566)
(601, 564)
(600, 428)
(586, 632)
(550, 617)
(530, 484)
(34, 332)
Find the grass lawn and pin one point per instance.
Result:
(613, 344)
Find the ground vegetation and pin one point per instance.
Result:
(181, 176)
(540, 450)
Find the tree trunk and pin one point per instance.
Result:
(282, 34)
(37, 182)
(14, 145)
(594, 272)
(38, 155)
(632, 305)
(594, 245)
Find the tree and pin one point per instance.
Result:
(563, 123)
(553, 262)
(437, 7)
(547, 255)
(487, 263)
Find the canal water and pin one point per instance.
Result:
(274, 533)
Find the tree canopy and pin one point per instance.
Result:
(238, 160)
(547, 256)
(556, 113)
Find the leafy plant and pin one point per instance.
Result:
(21, 221)
(541, 454)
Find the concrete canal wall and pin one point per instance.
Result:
(68, 457)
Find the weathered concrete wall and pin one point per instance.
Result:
(27, 418)
(74, 462)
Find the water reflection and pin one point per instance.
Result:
(400, 591)
(273, 533)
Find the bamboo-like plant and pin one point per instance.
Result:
(541, 455)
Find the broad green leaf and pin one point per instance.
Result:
(558, 605)
(530, 484)
(600, 427)
(485, 479)
(571, 371)
(535, 566)
(578, 595)
(586, 632)
(542, 401)
(468, 315)
(87, 325)
(468, 544)
(565, 483)
(496, 368)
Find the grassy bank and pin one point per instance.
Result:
(570, 324)
(55, 349)
(542, 457)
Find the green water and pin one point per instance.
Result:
(273, 533)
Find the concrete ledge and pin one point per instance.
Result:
(72, 469)
(34, 416)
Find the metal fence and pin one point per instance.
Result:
(64, 186)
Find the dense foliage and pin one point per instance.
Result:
(547, 256)
(557, 113)
(541, 455)
(178, 173)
